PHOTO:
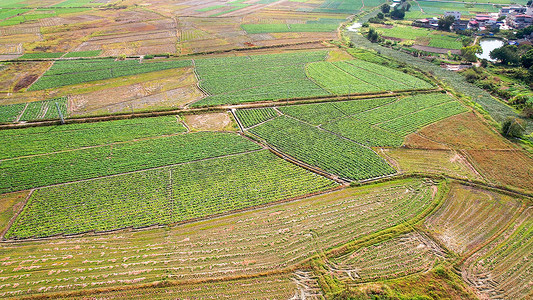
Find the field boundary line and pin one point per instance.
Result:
(17, 214)
(221, 108)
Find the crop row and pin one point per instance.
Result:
(68, 72)
(322, 149)
(164, 195)
(42, 140)
(241, 244)
(36, 171)
(254, 116)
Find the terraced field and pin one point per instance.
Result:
(471, 216)
(408, 254)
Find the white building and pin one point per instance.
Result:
(455, 14)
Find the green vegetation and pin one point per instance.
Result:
(320, 148)
(230, 80)
(42, 140)
(33, 111)
(39, 55)
(90, 53)
(85, 163)
(254, 116)
(322, 113)
(358, 76)
(165, 195)
(68, 72)
(421, 36)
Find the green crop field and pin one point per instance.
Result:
(294, 75)
(252, 117)
(33, 111)
(322, 25)
(257, 77)
(165, 195)
(69, 72)
(358, 76)
(42, 140)
(41, 55)
(90, 53)
(109, 159)
(322, 149)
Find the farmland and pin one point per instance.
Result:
(104, 160)
(164, 195)
(256, 149)
(299, 140)
(67, 72)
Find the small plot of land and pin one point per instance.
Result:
(10, 204)
(164, 195)
(69, 72)
(257, 77)
(502, 269)
(254, 242)
(254, 116)
(210, 122)
(507, 168)
(321, 25)
(446, 162)
(33, 111)
(463, 131)
(144, 92)
(470, 217)
(422, 36)
(401, 256)
(116, 158)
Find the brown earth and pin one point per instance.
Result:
(210, 122)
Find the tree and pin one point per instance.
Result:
(373, 35)
(385, 8)
(407, 6)
(469, 52)
(445, 23)
(527, 59)
(398, 14)
(513, 127)
(506, 54)
(380, 16)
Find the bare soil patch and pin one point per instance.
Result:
(210, 122)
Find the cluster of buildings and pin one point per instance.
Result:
(516, 16)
